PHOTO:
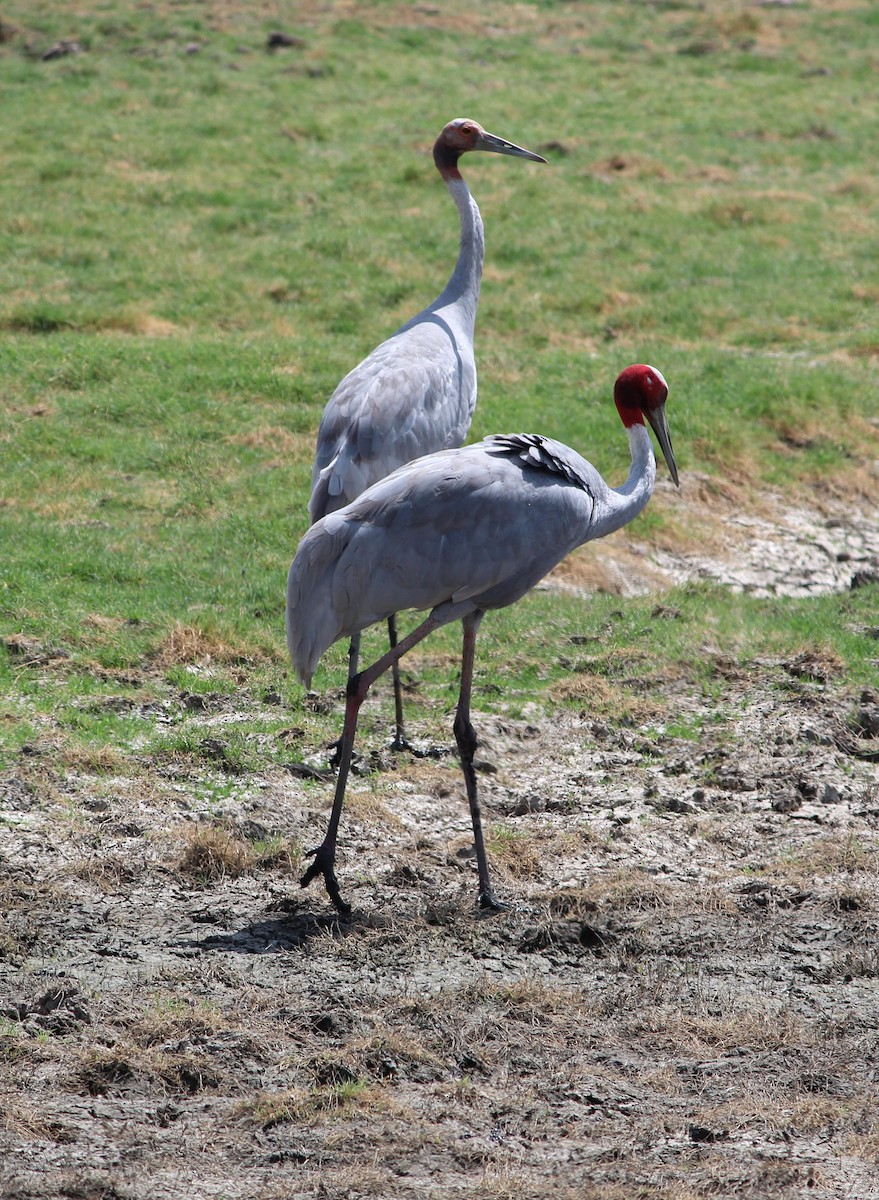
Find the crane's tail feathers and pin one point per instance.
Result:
(312, 621)
(336, 484)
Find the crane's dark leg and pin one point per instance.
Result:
(325, 854)
(400, 741)
(353, 659)
(353, 655)
(465, 736)
(358, 686)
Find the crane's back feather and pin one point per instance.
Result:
(413, 395)
(475, 528)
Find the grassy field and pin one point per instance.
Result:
(203, 235)
(200, 235)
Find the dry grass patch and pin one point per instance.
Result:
(368, 807)
(108, 872)
(99, 760)
(517, 853)
(866, 1144)
(828, 856)
(603, 699)
(532, 1002)
(212, 854)
(101, 1071)
(701, 1035)
(27, 1120)
(186, 644)
(313, 1106)
(288, 447)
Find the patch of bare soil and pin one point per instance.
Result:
(682, 1002)
(824, 543)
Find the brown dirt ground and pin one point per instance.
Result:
(683, 1001)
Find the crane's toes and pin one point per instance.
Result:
(488, 902)
(324, 865)
(400, 743)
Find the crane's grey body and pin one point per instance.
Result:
(416, 392)
(413, 395)
(455, 532)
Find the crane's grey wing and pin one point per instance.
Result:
(455, 531)
(412, 396)
(546, 454)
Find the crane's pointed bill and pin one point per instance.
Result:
(496, 145)
(656, 417)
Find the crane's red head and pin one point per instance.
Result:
(641, 391)
(462, 135)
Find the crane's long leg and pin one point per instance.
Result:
(353, 655)
(465, 736)
(400, 741)
(353, 659)
(358, 686)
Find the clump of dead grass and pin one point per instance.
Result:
(107, 1071)
(99, 760)
(211, 854)
(186, 644)
(603, 699)
(304, 1106)
(108, 872)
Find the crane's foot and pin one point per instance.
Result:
(401, 742)
(335, 755)
(324, 864)
(488, 902)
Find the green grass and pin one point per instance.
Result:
(198, 244)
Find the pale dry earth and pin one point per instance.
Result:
(682, 1001)
(820, 544)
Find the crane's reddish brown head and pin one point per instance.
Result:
(462, 135)
(641, 391)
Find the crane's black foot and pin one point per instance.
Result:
(335, 755)
(401, 742)
(324, 864)
(488, 902)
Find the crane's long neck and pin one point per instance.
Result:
(462, 290)
(627, 501)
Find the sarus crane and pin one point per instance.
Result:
(416, 392)
(458, 532)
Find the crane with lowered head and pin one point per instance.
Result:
(458, 533)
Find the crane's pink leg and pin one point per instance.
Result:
(358, 686)
(465, 736)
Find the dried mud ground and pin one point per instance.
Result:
(682, 1002)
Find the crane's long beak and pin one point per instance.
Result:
(656, 417)
(496, 145)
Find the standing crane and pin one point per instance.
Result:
(416, 392)
(458, 532)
